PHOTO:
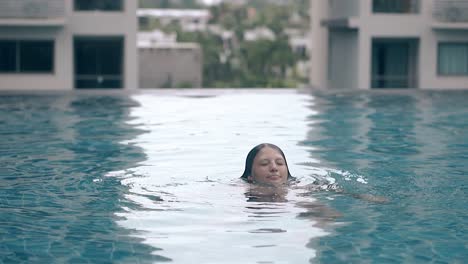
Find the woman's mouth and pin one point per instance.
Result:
(274, 177)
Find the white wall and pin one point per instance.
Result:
(81, 24)
(428, 63)
(180, 65)
(417, 26)
(59, 79)
(319, 48)
(111, 24)
(372, 25)
(343, 59)
(343, 8)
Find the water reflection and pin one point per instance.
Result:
(408, 147)
(258, 193)
(56, 205)
(201, 211)
(269, 203)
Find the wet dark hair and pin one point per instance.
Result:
(253, 153)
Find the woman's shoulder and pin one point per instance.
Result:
(315, 185)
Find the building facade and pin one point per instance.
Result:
(364, 44)
(68, 44)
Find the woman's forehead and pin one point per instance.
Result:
(268, 151)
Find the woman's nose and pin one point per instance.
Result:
(273, 167)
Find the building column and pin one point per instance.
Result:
(364, 57)
(319, 39)
(364, 60)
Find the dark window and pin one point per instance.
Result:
(36, 56)
(395, 6)
(390, 64)
(98, 62)
(8, 56)
(27, 56)
(101, 5)
(452, 59)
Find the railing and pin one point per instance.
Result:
(396, 6)
(451, 11)
(391, 81)
(83, 81)
(32, 9)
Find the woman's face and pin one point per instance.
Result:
(269, 167)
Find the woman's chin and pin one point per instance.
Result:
(275, 183)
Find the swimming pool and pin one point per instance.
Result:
(153, 177)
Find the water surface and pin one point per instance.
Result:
(153, 177)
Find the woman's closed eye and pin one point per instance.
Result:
(280, 162)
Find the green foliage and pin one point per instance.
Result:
(168, 82)
(264, 63)
(183, 85)
(265, 56)
(148, 24)
(261, 63)
(173, 26)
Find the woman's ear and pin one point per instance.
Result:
(249, 178)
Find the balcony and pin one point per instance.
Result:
(450, 14)
(32, 13)
(342, 14)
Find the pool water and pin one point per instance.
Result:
(153, 177)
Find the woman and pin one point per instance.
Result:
(266, 168)
(266, 165)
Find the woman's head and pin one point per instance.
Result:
(266, 164)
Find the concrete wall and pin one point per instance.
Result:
(378, 25)
(419, 27)
(319, 49)
(111, 24)
(428, 61)
(343, 8)
(343, 70)
(32, 8)
(59, 79)
(171, 66)
(76, 24)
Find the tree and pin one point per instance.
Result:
(265, 62)
(213, 69)
(261, 63)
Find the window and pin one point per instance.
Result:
(395, 6)
(7, 56)
(452, 59)
(26, 56)
(99, 62)
(101, 5)
(390, 63)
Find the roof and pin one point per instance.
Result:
(173, 13)
(175, 45)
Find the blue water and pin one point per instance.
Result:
(153, 177)
(413, 148)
